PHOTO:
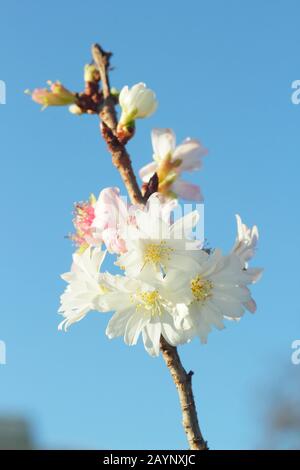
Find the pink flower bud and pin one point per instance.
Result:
(56, 95)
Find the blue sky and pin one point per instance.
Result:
(222, 72)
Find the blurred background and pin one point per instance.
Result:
(222, 72)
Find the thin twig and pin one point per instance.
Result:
(107, 112)
(183, 382)
(122, 162)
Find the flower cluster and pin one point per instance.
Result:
(168, 285)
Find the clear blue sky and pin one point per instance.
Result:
(222, 72)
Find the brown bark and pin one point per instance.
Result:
(122, 162)
(183, 383)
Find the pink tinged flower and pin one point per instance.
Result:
(115, 220)
(188, 191)
(111, 217)
(84, 216)
(191, 153)
(163, 143)
(113, 241)
(171, 161)
(56, 95)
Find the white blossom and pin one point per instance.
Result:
(140, 308)
(169, 162)
(136, 102)
(156, 245)
(85, 289)
(206, 295)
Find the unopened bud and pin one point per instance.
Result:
(75, 109)
(137, 102)
(91, 73)
(56, 95)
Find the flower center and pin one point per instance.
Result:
(149, 300)
(157, 252)
(103, 289)
(201, 288)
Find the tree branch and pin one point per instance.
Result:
(122, 162)
(107, 112)
(183, 382)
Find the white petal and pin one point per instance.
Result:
(228, 307)
(151, 338)
(163, 143)
(148, 171)
(123, 96)
(182, 228)
(190, 152)
(169, 332)
(117, 324)
(134, 326)
(187, 191)
(117, 300)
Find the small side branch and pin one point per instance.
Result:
(183, 382)
(107, 111)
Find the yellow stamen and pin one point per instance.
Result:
(149, 300)
(103, 289)
(201, 288)
(157, 253)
